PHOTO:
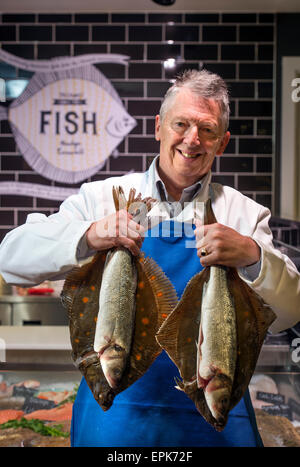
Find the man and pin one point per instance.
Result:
(192, 130)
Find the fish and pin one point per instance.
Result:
(56, 414)
(216, 360)
(217, 344)
(155, 298)
(116, 317)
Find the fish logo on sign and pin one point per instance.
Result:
(69, 119)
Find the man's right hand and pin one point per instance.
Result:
(117, 229)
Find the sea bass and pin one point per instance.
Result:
(229, 322)
(116, 316)
(217, 345)
(155, 298)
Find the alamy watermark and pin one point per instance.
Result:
(2, 351)
(296, 92)
(295, 355)
(2, 90)
(159, 224)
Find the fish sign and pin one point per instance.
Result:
(69, 119)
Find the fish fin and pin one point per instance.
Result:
(135, 205)
(119, 198)
(131, 197)
(163, 290)
(116, 198)
(208, 214)
(209, 217)
(155, 299)
(179, 384)
(80, 295)
(253, 318)
(79, 276)
(179, 331)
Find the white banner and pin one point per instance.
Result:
(36, 190)
(61, 63)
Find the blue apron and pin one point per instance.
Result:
(152, 412)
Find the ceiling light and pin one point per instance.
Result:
(170, 63)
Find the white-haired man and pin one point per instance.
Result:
(192, 129)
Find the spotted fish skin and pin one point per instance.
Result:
(116, 316)
(80, 297)
(217, 345)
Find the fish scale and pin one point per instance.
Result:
(116, 315)
(218, 351)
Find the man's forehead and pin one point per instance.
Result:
(186, 100)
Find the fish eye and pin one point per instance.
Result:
(117, 348)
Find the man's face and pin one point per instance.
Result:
(190, 136)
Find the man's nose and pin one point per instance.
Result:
(191, 136)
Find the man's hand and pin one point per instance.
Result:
(225, 246)
(117, 229)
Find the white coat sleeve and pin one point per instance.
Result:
(278, 281)
(46, 248)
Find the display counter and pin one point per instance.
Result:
(29, 310)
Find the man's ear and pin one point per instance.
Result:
(223, 143)
(157, 128)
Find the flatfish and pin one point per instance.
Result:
(216, 359)
(155, 298)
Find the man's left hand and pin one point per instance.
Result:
(225, 246)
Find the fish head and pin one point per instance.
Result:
(218, 394)
(113, 361)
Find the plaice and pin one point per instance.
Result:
(179, 334)
(155, 298)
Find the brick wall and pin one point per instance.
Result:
(240, 47)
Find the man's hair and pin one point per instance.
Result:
(204, 84)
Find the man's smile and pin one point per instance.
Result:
(187, 155)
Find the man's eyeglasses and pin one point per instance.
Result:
(205, 132)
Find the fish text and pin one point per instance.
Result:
(69, 122)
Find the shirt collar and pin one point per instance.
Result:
(188, 193)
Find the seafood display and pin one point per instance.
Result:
(214, 336)
(133, 305)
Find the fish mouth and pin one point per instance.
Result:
(113, 382)
(187, 155)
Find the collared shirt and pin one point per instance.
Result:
(188, 194)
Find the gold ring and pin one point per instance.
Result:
(203, 251)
